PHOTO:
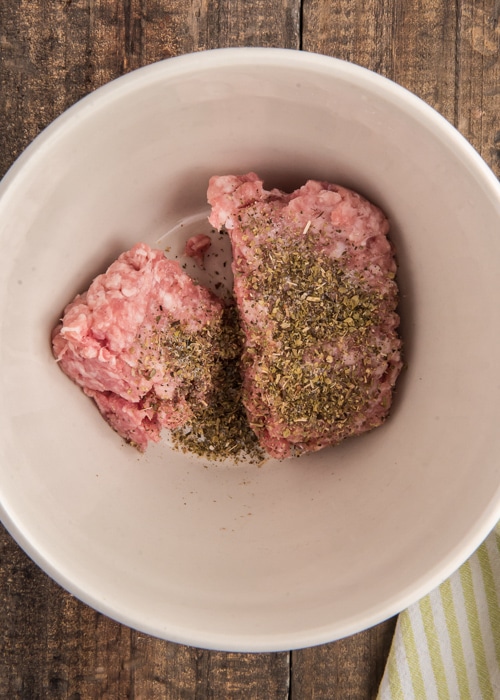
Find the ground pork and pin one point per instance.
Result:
(314, 281)
(197, 246)
(144, 343)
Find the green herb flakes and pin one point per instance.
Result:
(219, 430)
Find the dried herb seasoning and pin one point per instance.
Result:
(219, 429)
(316, 310)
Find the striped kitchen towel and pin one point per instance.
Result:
(447, 646)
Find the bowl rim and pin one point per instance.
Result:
(251, 57)
(240, 56)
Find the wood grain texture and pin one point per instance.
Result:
(350, 669)
(478, 78)
(411, 42)
(447, 53)
(52, 52)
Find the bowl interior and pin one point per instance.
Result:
(239, 557)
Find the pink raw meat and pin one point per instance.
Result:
(314, 284)
(141, 343)
(197, 246)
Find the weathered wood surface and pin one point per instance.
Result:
(52, 52)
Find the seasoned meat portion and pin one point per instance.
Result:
(314, 281)
(144, 342)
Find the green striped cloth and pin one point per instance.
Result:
(447, 646)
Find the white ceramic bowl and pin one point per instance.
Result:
(239, 557)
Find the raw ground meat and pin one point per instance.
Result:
(314, 284)
(197, 246)
(144, 342)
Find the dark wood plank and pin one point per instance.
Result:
(446, 53)
(165, 671)
(413, 42)
(242, 23)
(350, 669)
(53, 53)
(51, 645)
(478, 78)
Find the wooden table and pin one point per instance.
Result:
(52, 52)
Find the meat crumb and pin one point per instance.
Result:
(314, 281)
(197, 247)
